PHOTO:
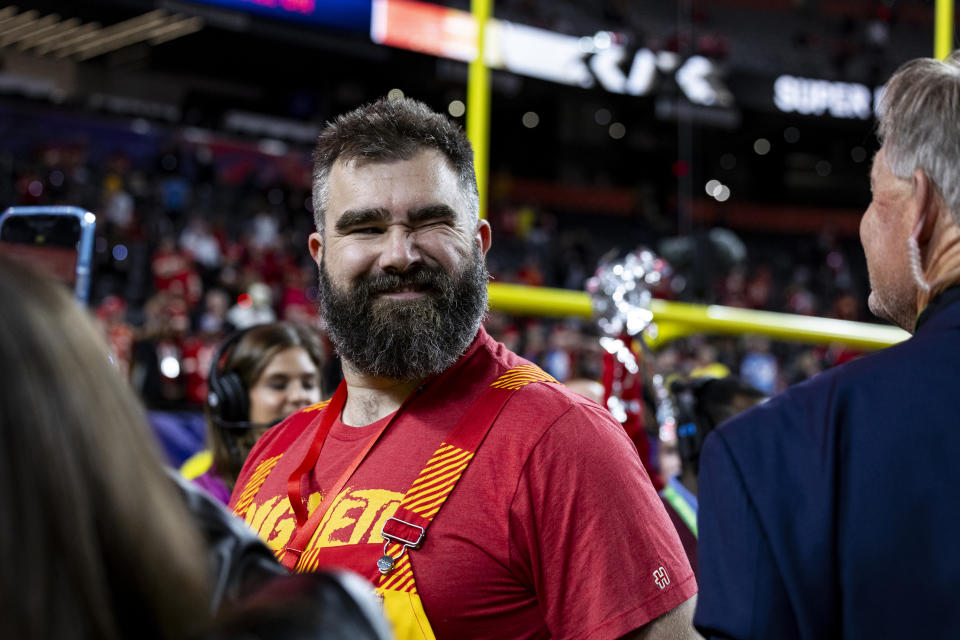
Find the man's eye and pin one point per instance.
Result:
(366, 230)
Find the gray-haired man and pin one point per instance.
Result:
(831, 510)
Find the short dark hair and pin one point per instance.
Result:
(386, 130)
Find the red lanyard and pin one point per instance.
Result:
(466, 436)
(306, 527)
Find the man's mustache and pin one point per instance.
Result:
(419, 279)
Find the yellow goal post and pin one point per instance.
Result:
(679, 319)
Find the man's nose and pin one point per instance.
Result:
(400, 250)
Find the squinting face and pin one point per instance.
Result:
(401, 262)
(289, 382)
(884, 232)
(384, 217)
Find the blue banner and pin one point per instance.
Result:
(350, 15)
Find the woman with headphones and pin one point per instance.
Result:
(258, 377)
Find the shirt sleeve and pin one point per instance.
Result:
(592, 534)
(742, 594)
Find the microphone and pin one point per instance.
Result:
(242, 426)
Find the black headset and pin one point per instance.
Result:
(228, 400)
(702, 404)
(693, 423)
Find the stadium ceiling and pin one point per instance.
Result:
(30, 31)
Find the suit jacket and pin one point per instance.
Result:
(831, 511)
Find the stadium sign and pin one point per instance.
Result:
(808, 96)
(588, 61)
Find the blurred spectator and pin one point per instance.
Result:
(197, 354)
(173, 271)
(759, 367)
(213, 316)
(112, 312)
(157, 367)
(558, 359)
(296, 304)
(198, 241)
(800, 299)
(701, 404)
(95, 542)
(118, 204)
(760, 288)
(264, 231)
(253, 307)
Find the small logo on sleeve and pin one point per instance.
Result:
(661, 578)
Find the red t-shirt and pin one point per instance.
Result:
(554, 530)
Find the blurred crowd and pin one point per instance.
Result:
(200, 233)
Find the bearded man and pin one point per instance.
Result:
(831, 510)
(480, 497)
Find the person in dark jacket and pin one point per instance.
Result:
(830, 511)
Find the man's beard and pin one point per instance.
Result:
(408, 339)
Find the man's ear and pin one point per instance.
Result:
(926, 201)
(484, 235)
(315, 244)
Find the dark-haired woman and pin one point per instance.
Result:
(275, 369)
